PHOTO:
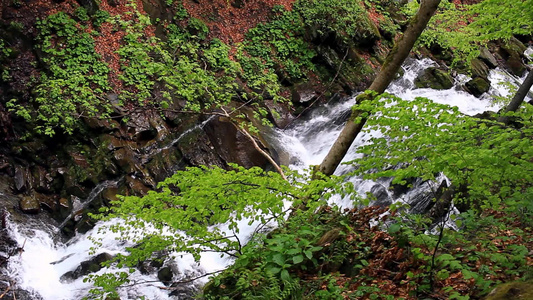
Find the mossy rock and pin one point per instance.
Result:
(512, 290)
(479, 68)
(477, 86)
(434, 78)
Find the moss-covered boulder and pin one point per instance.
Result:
(479, 68)
(477, 86)
(434, 78)
(512, 290)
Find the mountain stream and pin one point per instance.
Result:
(45, 259)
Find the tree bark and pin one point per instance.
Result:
(518, 97)
(390, 67)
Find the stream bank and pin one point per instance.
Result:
(60, 179)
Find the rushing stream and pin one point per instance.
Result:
(44, 260)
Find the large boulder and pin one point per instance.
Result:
(512, 52)
(434, 78)
(232, 145)
(486, 56)
(479, 68)
(381, 194)
(86, 267)
(477, 86)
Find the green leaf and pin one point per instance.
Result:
(297, 259)
(273, 270)
(294, 251)
(279, 259)
(285, 275)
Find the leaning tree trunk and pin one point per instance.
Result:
(518, 97)
(390, 67)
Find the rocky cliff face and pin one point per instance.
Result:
(136, 145)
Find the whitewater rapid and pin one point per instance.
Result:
(45, 259)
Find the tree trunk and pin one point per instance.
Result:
(518, 97)
(390, 67)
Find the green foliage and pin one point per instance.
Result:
(201, 209)
(485, 251)
(266, 267)
(422, 138)
(73, 82)
(99, 17)
(348, 19)
(465, 28)
(5, 53)
(279, 44)
(108, 283)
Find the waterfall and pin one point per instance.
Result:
(155, 151)
(44, 260)
(78, 206)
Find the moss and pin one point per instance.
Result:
(513, 290)
(435, 79)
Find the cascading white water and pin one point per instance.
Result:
(44, 260)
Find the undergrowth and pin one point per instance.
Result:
(348, 258)
(183, 69)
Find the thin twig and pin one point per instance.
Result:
(5, 292)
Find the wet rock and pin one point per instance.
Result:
(144, 126)
(513, 47)
(512, 52)
(152, 265)
(86, 267)
(105, 125)
(434, 78)
(281, 114)
(488, 58)
(160, 127)
(303, 93)
(21, 178)
(479, 68)
(113, 143)
(84, 225)
(8, 245)
(382, 196)
(516, 66)
(136, 185)
(30, 205)
(232, 145)
(78, 158)
(487, 115)
(197, 149)
(9, 291)
(126, 159)
(477, 86)
(110, 194)
(421, 203)
(41, 180)
(184, 291)
(48, 202)
(63, 208)
(165, 275)
(399, 189)
(164, 164)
